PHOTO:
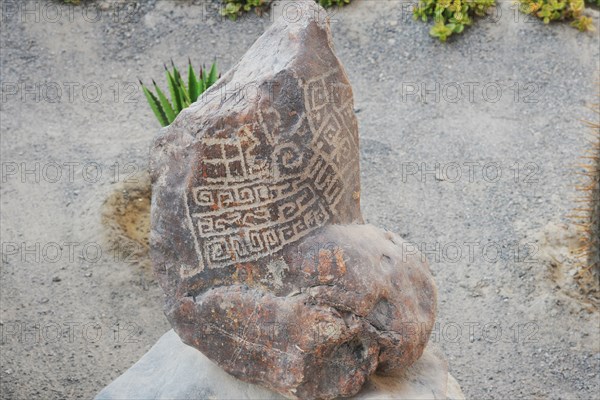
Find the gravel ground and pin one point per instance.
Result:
(469, 151)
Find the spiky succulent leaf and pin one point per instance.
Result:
(185, 98)
(213, 75)
(201, 86)
(155, 106)
(193, 87)
(164, 102)
(183, 91)
(175, 95)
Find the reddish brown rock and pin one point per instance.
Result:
(257, 236)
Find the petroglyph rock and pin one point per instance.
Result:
(257, 237)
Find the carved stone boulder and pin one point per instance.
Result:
(257, 237)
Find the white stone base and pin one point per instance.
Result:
(173, 370)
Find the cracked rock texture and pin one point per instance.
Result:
(257, 236)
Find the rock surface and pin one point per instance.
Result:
(257, 237)
(172, 370)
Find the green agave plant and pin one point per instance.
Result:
(181, 95)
